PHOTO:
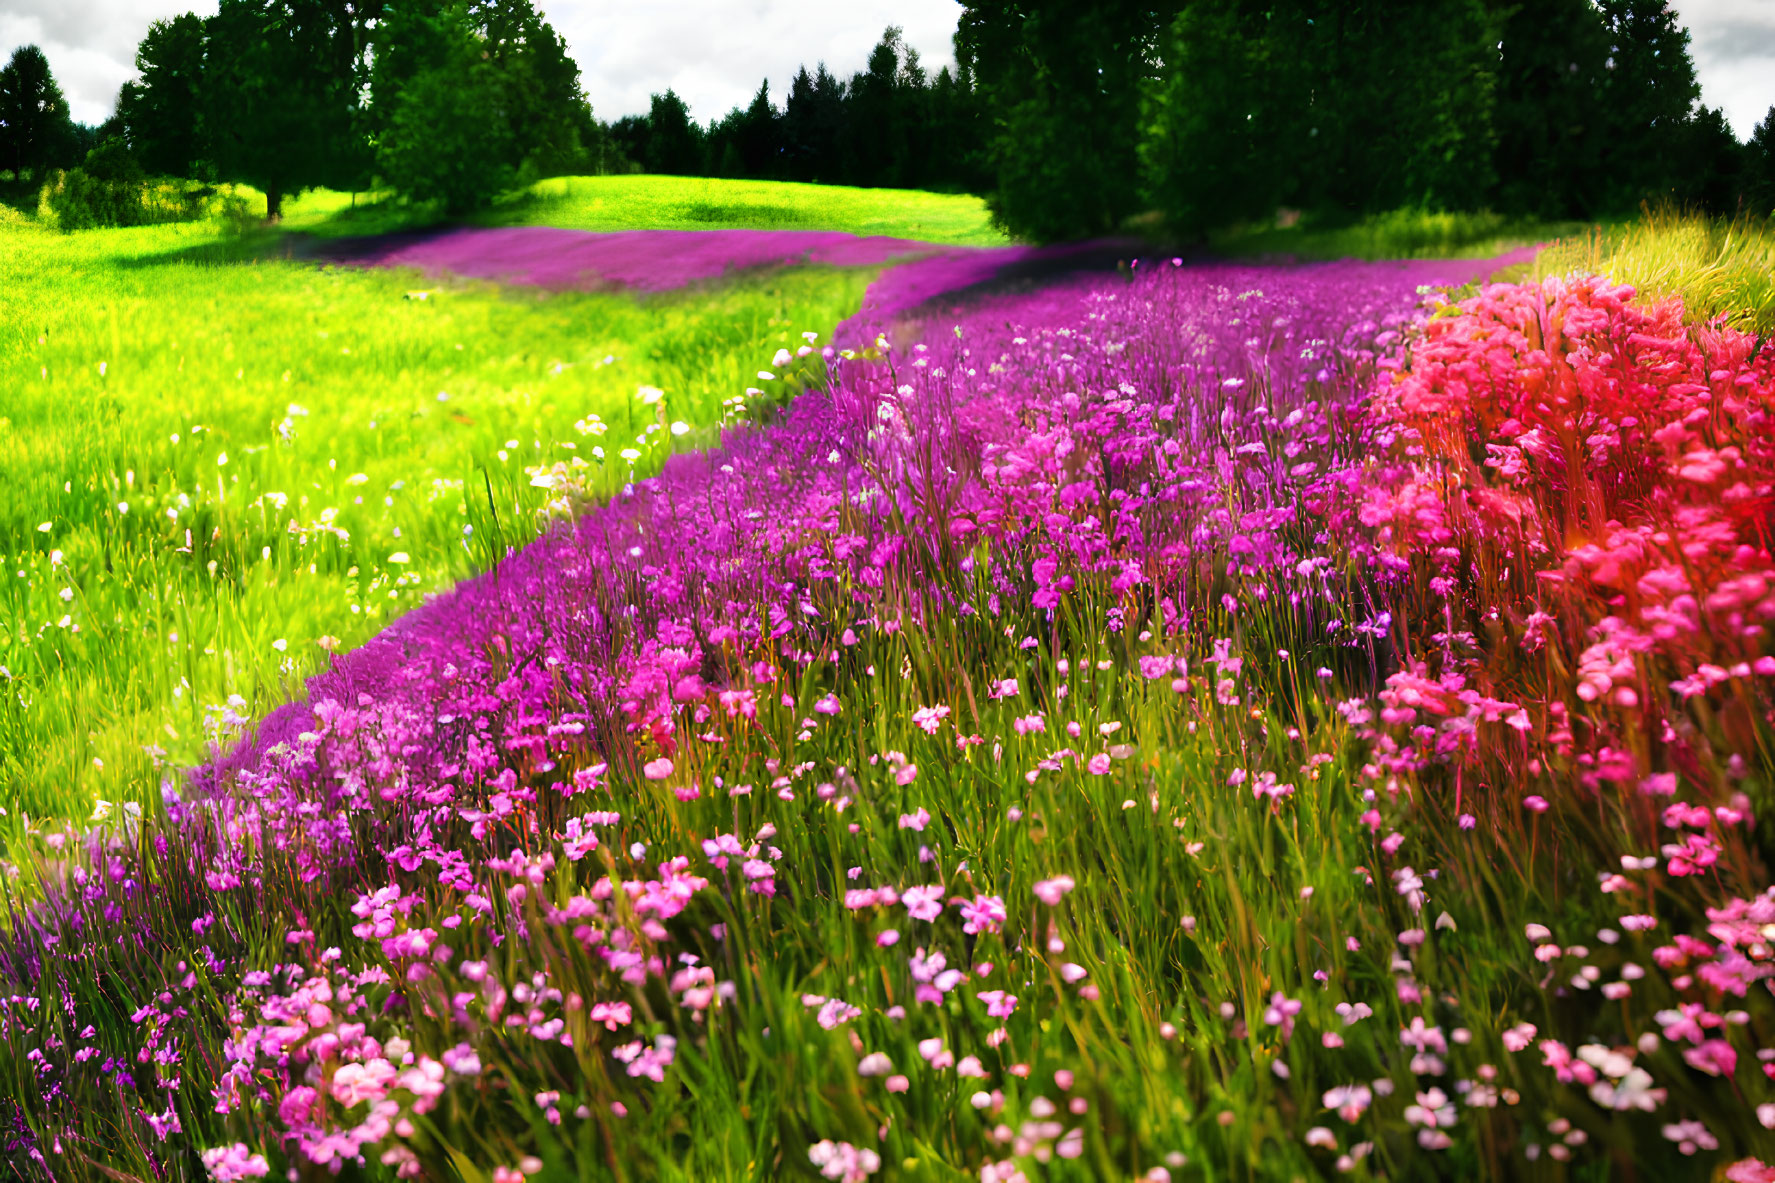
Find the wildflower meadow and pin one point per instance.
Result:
(1187, 719)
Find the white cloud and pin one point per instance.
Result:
(1733, 44)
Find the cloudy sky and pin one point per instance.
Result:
(715, 52)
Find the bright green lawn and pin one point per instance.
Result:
(212, 463)
(678, 203)
(696, 203)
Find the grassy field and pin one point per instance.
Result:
(215, 463)
(673, 203)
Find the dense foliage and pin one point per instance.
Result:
(36, 131)
(892, 124)
(1212, 112)
(449, 101)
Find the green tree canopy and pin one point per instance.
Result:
(1063, 81)
(161, 112)
(1759, 167)
(282, 97)
(36, 131)
(471, 97)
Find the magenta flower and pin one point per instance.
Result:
(1281, 1012)
(984, 913)
(228, 1163)
(923, 903)
(999, 1005)
(1052, 891)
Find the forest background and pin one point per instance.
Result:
(1202, 115)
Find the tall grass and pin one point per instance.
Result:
(1718, 266)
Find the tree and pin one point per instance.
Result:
(1549, 112)
(36, 131)
(1759, 168)
(1647, 93)
(1216, 145)
(281, 95)
(161, 113)
(540, 85)
(877, 132)
(446, 139)
(674, 142)
(760, 136)
(1063, 81)
(814, 119)
(473, 97)
(1709, 167)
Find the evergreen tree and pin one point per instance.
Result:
(674, 144)
(814, 119)
(36, 131)
(1549, 110)
(1647, 93)
(1709, 166)
(876, 132)
(759, 137)
(1759, 168)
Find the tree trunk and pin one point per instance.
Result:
(274, 203)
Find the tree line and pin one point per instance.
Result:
(892, 124)
(1210, 112)
(454, 101)
(1073, 117)
(444, 100)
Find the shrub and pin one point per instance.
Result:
(77, 199)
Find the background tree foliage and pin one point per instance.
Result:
(471, 97)
(1063, 81)
(282, 94)
(1074, 117)
(893, 124)
(161, 113)
(36, 131)
(1207, 112)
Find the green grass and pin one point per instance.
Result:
(673, 203)
(1718, 267)
(1400, 234)
(697, 203)
(183, 426)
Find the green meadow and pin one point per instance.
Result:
(672, 203)
(222, 464)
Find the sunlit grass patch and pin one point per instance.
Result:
(1718, 266)
(674, 203)
(618, 203)
(1399, 234)
(213, 467)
